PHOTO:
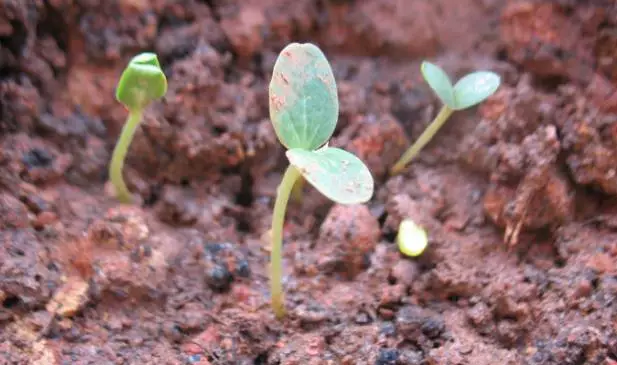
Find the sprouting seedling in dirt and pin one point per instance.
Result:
(470, 90)
(141, 83)
(411, 238)
(304, 111)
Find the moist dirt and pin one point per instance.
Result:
(518, 194)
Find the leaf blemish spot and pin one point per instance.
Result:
(277, 102)
(284, 78)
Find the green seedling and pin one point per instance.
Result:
(141, 83)
(304, 111)
(470, 90)
(411, 238)
(297, 192)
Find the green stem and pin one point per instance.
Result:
(424, 138)
(298, 191)
(117, 159)
(276, 266)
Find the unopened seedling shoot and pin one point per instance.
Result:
(141, 83)
(304, 111)
(470, 90)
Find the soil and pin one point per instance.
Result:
(518, 195)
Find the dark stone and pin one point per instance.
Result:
(219, 278)
(243, 269)
(387, 357)
(433, 327)
(37, 157)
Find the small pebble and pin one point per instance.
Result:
(219, 278)
(311, 314)
(362, 318)
(412, 321)
(171, 331)
(392, 295)
(242, 269)
(194, 358)
(583, 289)
(405, 272)
(388, 329)
(223, 263)
(387, 357)
(44, 219)
(433, 327)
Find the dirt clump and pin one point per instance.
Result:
(346, 238)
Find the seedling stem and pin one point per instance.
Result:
(119, 154)
(298, 190)
(424, 138)
(290, 178)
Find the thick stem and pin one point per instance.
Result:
(424, 138)
(276, 265)
(117, 159)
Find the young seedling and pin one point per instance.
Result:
(304, 111)
(411, 238)
(141, 83)
(297, 192)
(470, 90)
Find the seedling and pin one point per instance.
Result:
(411, 238)
(304, 111)
(470, 90)
(141, 83)
(297, 192)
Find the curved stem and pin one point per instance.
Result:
(117, 159)
(424, 138)
(278, 217)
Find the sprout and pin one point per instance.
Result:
(467, 92)
(141, 83)
(411, 238)
(304, 111)
(298, 190)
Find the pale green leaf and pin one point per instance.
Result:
(142, 82)
(303, 98)
(474, 88)
(336, 173)
(439, 81)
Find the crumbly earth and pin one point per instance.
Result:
(518, 195)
